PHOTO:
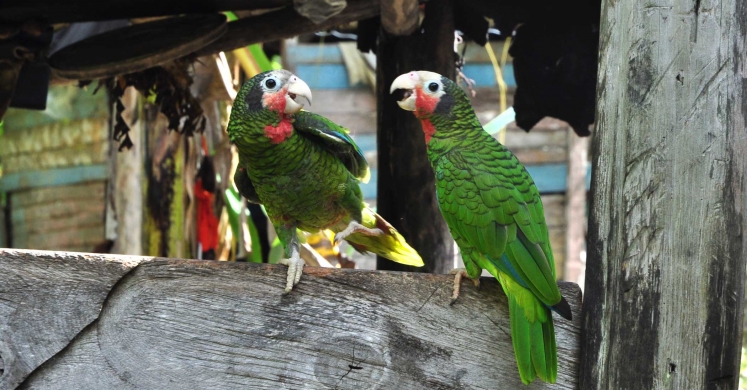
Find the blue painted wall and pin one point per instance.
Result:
(322, 68)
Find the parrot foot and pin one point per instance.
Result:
(295, 268)
(355, 227)
(460, 273)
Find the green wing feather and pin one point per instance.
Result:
(245, 186)
(335, 139)
(493, 215)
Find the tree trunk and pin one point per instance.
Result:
(666, 265)
(406, 194)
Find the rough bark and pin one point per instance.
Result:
(406, 193)
(666, 265)
(75, 321)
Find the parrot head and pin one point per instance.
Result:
(275, 90)
(266, 102)
(432, 97)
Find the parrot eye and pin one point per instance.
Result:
(433, 87)
(271, 83)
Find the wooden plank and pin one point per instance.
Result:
(667, 245)
(126, 184)
(90, 190)
(46, 299)
(406, 195)
(79, 155)
(85, 237)
(231, 320)
(264, 28)
(62, 208)
(54, 136)
(52, 177)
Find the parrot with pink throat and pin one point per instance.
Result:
(494, 212)
(306, 171)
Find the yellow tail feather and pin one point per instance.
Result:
(390, 245)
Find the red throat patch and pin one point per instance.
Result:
(279, 133)
(424, 107)
(276, 102)
(428, 129)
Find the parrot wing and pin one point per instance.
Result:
(335, 140)
(245, 186)
(493, 205)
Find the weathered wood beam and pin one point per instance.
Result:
(400, 17)
(81, 321)
(667, 241)
(285, 23)
(69, 11)
(406, 192)
(47, 298)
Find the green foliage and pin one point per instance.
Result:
(743, 370)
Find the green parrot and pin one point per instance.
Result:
(494, 213)
(305, 170)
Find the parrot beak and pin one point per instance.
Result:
(296, 88)
(406, 83)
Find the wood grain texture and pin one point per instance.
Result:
(46, 299)
(666, 265)
(60, 218)
(176, 324)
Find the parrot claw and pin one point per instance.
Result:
(459, 273)
(295, 268)
(355, 227)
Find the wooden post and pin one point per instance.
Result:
(126, 187)
(83, 321)
(406, 192)
(667, 243)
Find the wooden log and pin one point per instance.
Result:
(47, 299)
(400, 17)
(406, 192)
(171, 324)
(666, 265)
(285, 23)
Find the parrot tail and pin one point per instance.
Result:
(534, 342)
(391, 244)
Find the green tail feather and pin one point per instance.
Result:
(390, 245)
(534, 345)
